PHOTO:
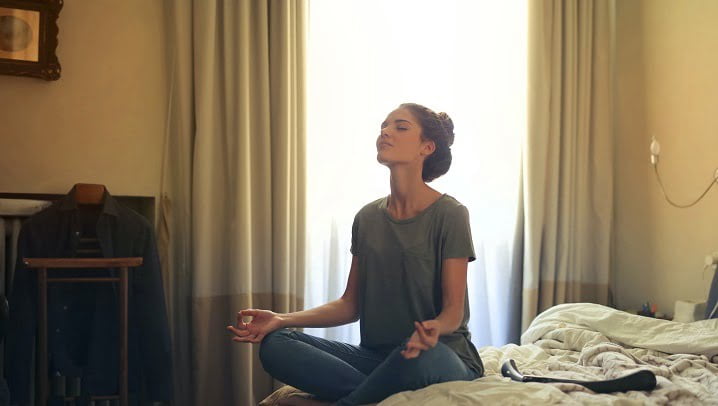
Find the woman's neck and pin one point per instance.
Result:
(409, 194)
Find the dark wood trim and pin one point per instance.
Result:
(42, 265)
(82, 262)
(124, 326)
(42, 336)
(82, 280)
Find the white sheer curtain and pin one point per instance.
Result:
(467, 58)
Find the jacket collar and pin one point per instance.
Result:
(109, 204)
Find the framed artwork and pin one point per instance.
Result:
(28, 38)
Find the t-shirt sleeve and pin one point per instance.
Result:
(457, 242)
(355, 236)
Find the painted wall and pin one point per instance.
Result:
(667, 85)
(103, 121)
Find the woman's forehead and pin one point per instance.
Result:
(401, 114)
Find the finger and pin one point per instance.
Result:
(421, 332)
(409, 354)
(420, 347)
(417, 342)
(239, 332)
(240, 317)
(430, 328)
(258, 339)
(416, 346)
(249, 312)
(242, 339)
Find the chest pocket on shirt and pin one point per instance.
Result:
(419, 269)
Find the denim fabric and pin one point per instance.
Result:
(352, 374)
(83, 321)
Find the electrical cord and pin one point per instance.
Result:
(668, 199)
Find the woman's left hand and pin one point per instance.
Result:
(425, 337)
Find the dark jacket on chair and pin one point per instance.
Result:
(83, 318)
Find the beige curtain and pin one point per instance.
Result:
(232, 208)
(568, 159)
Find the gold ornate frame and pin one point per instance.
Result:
(28, 38)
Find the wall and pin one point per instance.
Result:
(667, 85)
(103, 121)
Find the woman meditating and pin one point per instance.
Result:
(406, 285)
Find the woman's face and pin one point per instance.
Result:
(400, 140)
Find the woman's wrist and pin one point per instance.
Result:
(284, 320)
(446, 326)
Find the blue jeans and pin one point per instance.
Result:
(352, 374)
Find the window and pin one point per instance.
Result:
(467, 58)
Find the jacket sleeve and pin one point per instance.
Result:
(149, 301)
(21, 327)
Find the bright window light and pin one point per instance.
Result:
(467, 58)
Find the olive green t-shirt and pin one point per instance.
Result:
(400, 265)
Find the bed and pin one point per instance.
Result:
(585, 341)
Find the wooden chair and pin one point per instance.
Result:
(42, 265)
(85, 194)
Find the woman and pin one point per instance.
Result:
(406, 285)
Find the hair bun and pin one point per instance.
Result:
(448, 127)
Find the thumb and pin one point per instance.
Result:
(428, 324)
(249, 312)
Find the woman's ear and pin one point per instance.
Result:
(428, 148)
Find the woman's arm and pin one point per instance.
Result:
(453, 288)
(341, 311)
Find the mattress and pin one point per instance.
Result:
(585, 341)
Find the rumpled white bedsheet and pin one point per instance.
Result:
(591, 342)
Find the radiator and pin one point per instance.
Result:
(9, 230)
(12, 214)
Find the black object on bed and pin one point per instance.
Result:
(712, 305)
(640, 380)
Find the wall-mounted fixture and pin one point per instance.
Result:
(655, 153)
(711, 260)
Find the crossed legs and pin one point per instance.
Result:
(351, 374)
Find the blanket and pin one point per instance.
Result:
(587, 341)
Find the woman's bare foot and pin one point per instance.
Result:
(302, 401)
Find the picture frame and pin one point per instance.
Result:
(28, 38)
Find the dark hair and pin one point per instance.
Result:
(439, 128)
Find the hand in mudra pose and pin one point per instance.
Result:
(263, 322)
(425, 337)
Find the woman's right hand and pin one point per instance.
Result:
(263, 322)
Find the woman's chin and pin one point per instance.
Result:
(381, 159)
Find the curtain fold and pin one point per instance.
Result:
(568, 158)
(232, 202)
